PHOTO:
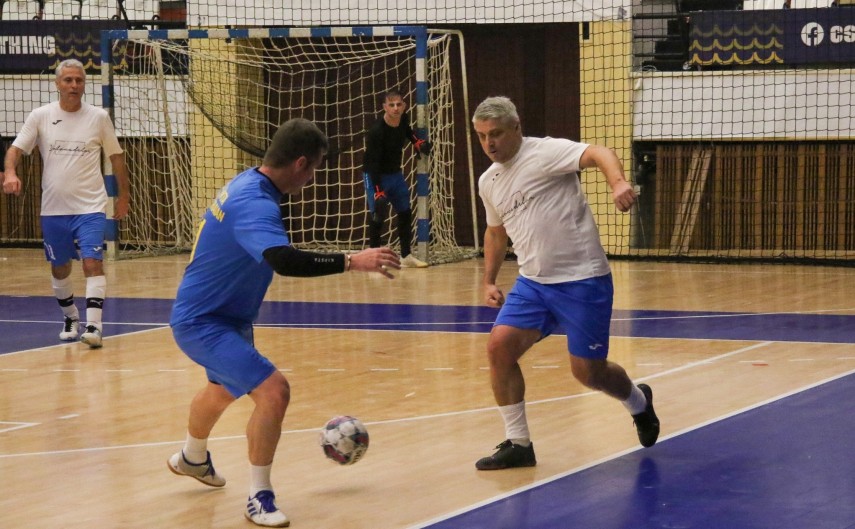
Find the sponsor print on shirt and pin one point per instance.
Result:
(517, 204)
(68, 148)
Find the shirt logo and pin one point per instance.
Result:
(55, 122)
(516, 204)
(68, 148)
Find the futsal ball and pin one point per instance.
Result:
(344, 439)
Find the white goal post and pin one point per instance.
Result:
(194, 107)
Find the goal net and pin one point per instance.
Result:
(196, 107)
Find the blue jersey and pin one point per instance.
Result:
(228, 277)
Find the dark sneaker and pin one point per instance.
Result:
(646, 422)
(508, 455)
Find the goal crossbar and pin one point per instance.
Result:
(419, 34)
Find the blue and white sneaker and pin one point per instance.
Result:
(204, 472)
(261, 510)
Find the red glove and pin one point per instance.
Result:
(423, 147)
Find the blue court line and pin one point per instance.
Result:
(125, 315)
(785, 465)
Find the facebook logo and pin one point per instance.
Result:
(812, 34)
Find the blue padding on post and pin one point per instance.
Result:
(423, 230)
(422, 185)
(111, 230)
(112, 185)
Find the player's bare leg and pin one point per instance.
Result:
(64, 292)
(263, 431)
(504, 349)
(194, 460)
(611, 379)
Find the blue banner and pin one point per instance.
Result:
(784, 36)
(38, 46)
(820, 36)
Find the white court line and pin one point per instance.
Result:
(616, 455)
(16, 426)
(133, 324)
(490, 409)
(49, 348)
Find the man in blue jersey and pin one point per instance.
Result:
(240, 243)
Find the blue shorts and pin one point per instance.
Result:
(395, 188)
(226, 352)
(583, 308)
(64, 234)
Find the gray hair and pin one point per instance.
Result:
(499, 108)
(70, 63)
(295, 138)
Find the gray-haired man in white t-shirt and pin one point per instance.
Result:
(532, 195)
(71, 136)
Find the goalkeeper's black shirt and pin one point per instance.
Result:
(384, 146)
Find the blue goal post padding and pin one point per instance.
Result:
(418, 33)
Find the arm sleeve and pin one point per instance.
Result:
(373, 151)
(408, 128)
(289, 261)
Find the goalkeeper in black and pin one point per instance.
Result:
(384, 178)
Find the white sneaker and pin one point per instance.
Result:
(261, 509)
(70, 328)
(204, 472)
(411, 261)
(91, 337)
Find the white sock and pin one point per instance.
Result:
(64, 293)
(516, 425)
(195, 450)
(96, 289)
(636, 401)
(259, 479)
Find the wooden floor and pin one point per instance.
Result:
(85, 434)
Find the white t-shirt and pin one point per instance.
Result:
(70, 144)
(538, 198)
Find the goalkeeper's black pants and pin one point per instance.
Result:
(405, 229)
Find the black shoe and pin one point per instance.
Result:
(646, 422)
(508, 455)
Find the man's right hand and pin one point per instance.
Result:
(382, 260)
(493, 296)
(11, 184)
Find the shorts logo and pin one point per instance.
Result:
(594, 347)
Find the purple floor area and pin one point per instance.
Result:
(785, 465)
(29, 322)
